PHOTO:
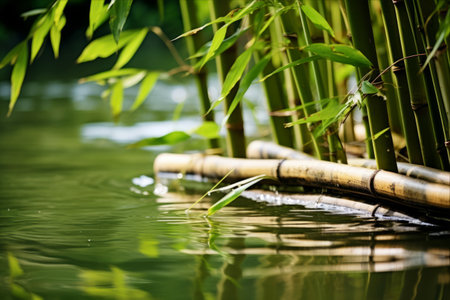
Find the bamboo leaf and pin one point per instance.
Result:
(195, 30)
(11, 56)
(41, 30)
(105, 46)
(293, 64)
(217, 40)
(340, 53)
(116, 99)
(130, 49)
(231, 196)
(208, 129)
(98, 14)
(58, 9)
(245, 83)
(171, 138)
(368, 88)
(329, 112)
(442, 34)
(111, 74)
(286, 111)
(317, 19)
(380, 133)
(251, 7)
(55, 35)
(18, 74)
(33, 12)
(119, 10)
(131, 80)
(146, 87)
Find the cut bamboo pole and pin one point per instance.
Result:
(261, 149)
(379, 183)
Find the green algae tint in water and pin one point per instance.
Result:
(74, 226)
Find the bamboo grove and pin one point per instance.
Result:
(305, 55)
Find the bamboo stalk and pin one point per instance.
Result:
(406, 113)
(391, 186)
(235, 124)
(417, 89)
(363, 40)
(195, 42)
(267, 150)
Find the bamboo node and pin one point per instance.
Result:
(398, 68)
(235, 126)
(374, 210)
(371, 182)
(418, 106)
(447, 144)
(279, 167)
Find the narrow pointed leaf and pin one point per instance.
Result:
(368, 88)
(208, 130)
(111, 74)
(245, 83)
(118, 15)
(41, 30)
(293, 64)
(217, 40)
(146, 87)
(18, 74)
(58, 10)
(34, 12)
(317, 19)
(116, 98)
(130, 49)
(231, 196)
(55, 35)
(105, 46)
(340, 53)
(11, 56)
(380, 133)
(443, 32)
(329, 112)
(195, 30)
(14, 267)
(98, 14)
(169, 139)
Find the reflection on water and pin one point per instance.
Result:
(80, 220)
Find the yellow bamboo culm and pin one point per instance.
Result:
(261, 149)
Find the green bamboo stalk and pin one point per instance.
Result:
(195, 42)
(235, 124)
(417, 89)
(363, 40)
(406, 113)
(334, 142)
(301, 78)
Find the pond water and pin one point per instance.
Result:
(79, 219)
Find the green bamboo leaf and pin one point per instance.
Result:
(130, 49)
(245, 83)
(55, 35)
(340, 53)
(146, 87)
(41, 30)
(329, 112)
(119, 10)
(171, 138)
(231, 196)
(442, 34)
(58, 9)
(105, 46)
(116, 99)
(286, 111)
(111, 74)
(251, 7)
(195, 30)
(217, 40)
(11, 56)
(317, 19)
(131, 80)
(18, 74)
(33, 12)
(368, 88)
(380, 133)
(208, 129)
(98, 14)
(292, 64)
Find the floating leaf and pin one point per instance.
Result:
(368, 88)
(317, 19)
(149, 247)
(116, 98)
(55, 35)
(98, 14)
(111, 74)
(119, 10)
(293, 64)
(169, 139)
(231, 196)
(245, 83)
(105, 46)
(208, 129)
(18, 74)
(14, 267)
(130, 49)
(41, 30)
(340, 53)
(146, 87)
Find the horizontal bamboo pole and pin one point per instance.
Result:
(260, 149)
(379, 183)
